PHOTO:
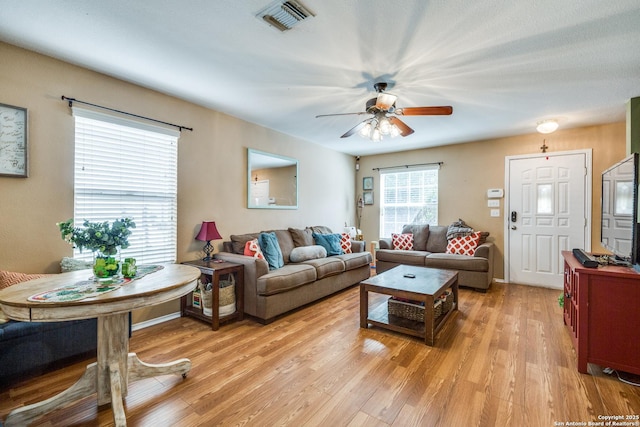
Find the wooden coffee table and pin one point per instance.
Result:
(426, 285)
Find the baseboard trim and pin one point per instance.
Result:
(155, 321)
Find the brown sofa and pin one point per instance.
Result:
(429, 250)
(269, 293)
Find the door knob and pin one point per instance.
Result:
(513, 227)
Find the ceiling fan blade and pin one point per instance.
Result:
(341, 114)
(424, 111)
(404, 129)
(354, 129)
(385, 101)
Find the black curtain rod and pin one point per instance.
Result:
(72, 100)
(409, 166)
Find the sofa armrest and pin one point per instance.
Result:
(358, 245)
(385, 243)
(253, 267)
(485, 250)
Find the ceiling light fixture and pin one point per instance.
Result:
(547, 126)
(378, 127)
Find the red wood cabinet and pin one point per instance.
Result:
(602, 313)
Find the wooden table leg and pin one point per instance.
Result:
(84, 387)
(364, 306)
(429, 320)
(215, 308)
(108, 377)
(113, 348)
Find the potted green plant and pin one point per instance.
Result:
(103, 239)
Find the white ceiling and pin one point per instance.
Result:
(502, 65)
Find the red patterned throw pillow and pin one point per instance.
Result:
(465, 245)
(402, 242)
(9, 278)
(345, 243)
(252, 248)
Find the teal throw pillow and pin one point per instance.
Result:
(271, 250)
(331, 242)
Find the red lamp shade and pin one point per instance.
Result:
(208, 231)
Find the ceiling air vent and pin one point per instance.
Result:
(283, 15)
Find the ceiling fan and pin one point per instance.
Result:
(384, 123)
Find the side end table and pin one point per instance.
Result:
(214, 270)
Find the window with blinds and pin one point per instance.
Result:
(125, 168)
(409, 196)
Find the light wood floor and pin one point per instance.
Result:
(504, 360)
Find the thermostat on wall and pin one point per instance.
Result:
(495, 193)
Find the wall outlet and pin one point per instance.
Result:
(495, 212)
(493, 203)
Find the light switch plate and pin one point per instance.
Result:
(493, 203)
(495, 212)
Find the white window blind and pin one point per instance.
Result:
(125, 168)
(409, 196)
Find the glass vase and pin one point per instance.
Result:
(105, 267)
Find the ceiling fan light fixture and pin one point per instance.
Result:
(377, 128)
(547, 126)
(375, 134)
(366, 130)
(385, 121)
(385, 126)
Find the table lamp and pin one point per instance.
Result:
(208, 232)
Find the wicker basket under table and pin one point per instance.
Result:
(415, 311)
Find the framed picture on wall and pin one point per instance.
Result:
(13, 141)
(368, 197)
(367, 183)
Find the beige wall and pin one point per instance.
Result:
(212, 162)
(212, 168)
(469, 170)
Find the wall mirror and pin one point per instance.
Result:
(272, 181)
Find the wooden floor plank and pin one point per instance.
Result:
(504, 359)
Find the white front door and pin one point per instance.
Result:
(548, 210)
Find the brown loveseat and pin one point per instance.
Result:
(429, 250)
(269, 293)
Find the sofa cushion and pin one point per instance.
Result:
(402, 242)
(289, 277)
(331, 242)
(420, 235)
(457, 262)
(345, 243)
(464, 245)
(238, 241)
(326, 266)
(402, 257)
(437, 239)
(271, 250)
(483, 237)
(301, 237)
(305, 253)
(320, 229)
(286, 243)
(355, 260)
